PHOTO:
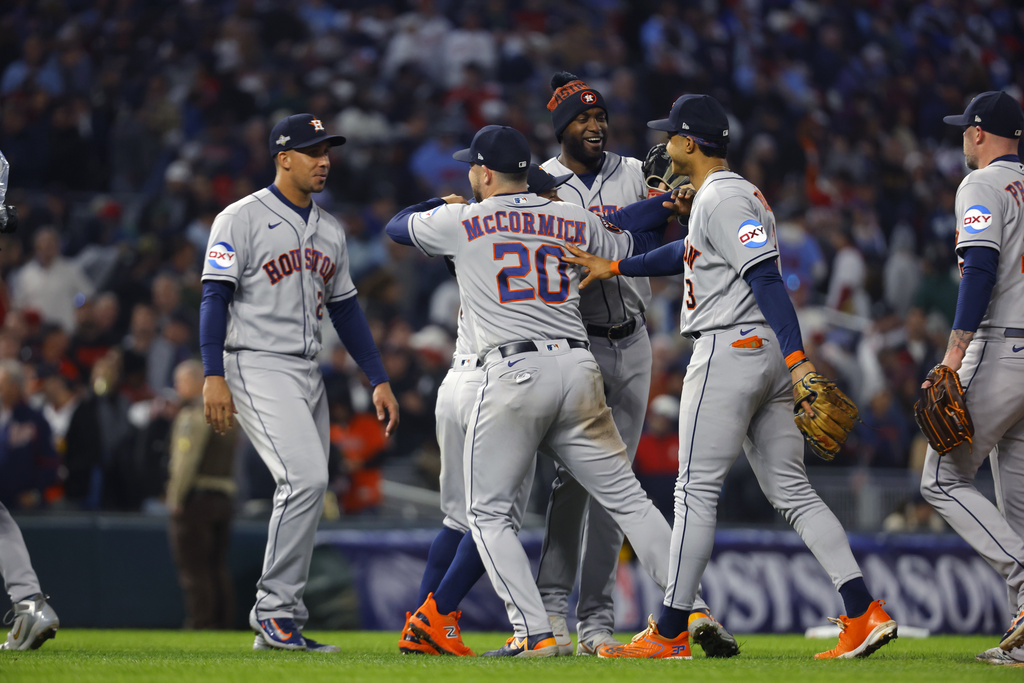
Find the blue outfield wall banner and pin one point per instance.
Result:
(756, 582)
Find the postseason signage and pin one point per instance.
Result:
(757, 582)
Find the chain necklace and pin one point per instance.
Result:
(712, 170)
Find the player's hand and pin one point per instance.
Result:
(218, 405)
(797, 374)
(454, 199)
(387, 406)
(682, 200)
(595, 267)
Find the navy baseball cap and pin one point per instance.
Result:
(298, 131)
(499, 148)
(994, 112)
(700, 116)
(539, 181)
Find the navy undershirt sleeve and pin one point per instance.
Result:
(665, 260)
(642, 216)
(976, 287)
(398, 227)
(213, 324)
(354, 331)
(774, 302)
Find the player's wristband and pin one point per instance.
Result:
(615, 267)
(794, 359)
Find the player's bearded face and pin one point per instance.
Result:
(970, 152)
(475, 173)
(585, 137)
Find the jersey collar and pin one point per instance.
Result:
(302, 211)
(1012, 158)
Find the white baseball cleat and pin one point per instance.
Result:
(562, 637)
(590, 646)
(33, 622)
(1000, 657)
(311, 646)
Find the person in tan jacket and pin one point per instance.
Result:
(200, 495)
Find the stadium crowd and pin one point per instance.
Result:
(129, 125)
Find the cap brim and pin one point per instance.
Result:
(955, 120)
(335, 140)
(463, 155)
(560, 180)
(662, 124)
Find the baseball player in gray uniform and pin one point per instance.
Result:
(578, 532)
(453, 564)
(746, 335)
(35, 622)
(986, 348)
(275, 265)
(453, 570)
(542, 388)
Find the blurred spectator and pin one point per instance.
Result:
(657, 455)
(28, 460)
(200, 491)
(358, 438)
(49, 284)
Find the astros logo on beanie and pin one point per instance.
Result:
(571, 97)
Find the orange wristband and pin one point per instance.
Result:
(794, 358)
(615, 268)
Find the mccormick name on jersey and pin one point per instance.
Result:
(293, 262)
(526, 224)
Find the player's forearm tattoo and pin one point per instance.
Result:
(959, 339)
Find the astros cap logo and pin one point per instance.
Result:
(317, 126)
(588, 98)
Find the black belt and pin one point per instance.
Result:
(693, 336)
(614, 332)
(1014, 333)
(514, 348)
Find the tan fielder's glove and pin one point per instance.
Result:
(834, 414)
(942, 411)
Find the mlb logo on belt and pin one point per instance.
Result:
(552, 347)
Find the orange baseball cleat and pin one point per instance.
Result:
(861, 636)
(650, 644)
(439, 630)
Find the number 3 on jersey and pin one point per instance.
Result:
(507, 294)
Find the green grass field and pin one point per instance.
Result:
(139, 656)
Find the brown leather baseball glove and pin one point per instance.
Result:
(834, 414)
(942, 411)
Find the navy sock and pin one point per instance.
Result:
(466, 570)
(441, 555)
(672, 622)
(856, 597)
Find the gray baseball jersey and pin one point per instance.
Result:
(542, 388)
(731, 229)
(625, 363)
(619, 183)
(990, 213)
(285, 270)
